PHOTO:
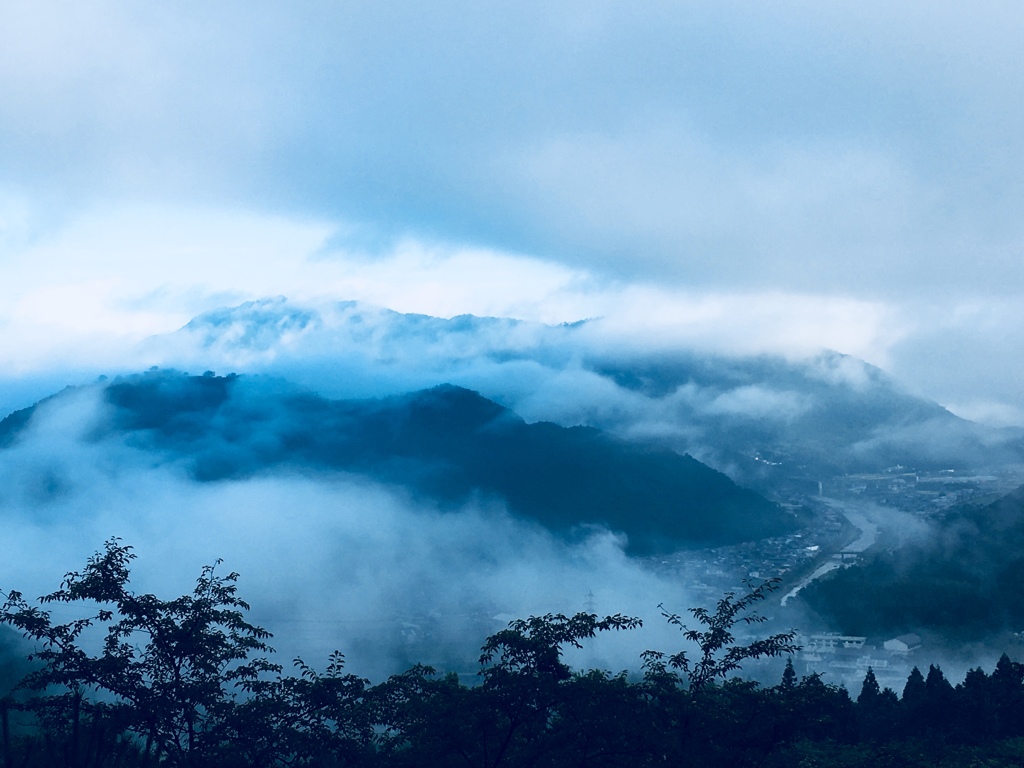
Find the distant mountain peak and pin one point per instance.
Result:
(763, 418)
(255, 326)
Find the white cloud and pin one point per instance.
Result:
(752, 322)
(82, 298)
(661, 197)
(326, 562)
(87, 292)
(993, 413)
(760, 403)
(862, 149)
(774, 179)
(123, 274)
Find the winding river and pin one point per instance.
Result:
(859, 515)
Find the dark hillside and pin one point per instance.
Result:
(964, 581)
(448, 444)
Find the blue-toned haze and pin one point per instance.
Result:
(708, 175)
(770, 236)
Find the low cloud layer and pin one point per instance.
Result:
(708, 175)
(105, 292)
(827, 409)
(334, 560)
(723, 193)
(326, 562)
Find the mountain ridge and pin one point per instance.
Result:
(761, 418)
(446, 443)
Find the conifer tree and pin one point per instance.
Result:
(869, 690)
(913, 691)
(788, 676)
(913, 703)
(939, 695)
(1006, 690)
(975, 720)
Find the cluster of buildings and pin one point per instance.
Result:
(845, 659)
(708, 573)
(921, 492)
(840, 535)
(838, 538)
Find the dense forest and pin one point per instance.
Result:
(961, 581)
(140, 681)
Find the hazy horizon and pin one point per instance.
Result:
(790, 230)
(711, 176)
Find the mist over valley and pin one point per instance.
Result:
(406, 524)
(511, 385)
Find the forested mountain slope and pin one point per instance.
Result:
(962, 580)
(447, 444)
(763, 418)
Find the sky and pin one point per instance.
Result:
(776, 178)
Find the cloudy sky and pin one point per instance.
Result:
(731, 176)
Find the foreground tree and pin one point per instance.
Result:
(142, 681)
(718, 654)
(167, 671)
(529, 709)
(309, 719)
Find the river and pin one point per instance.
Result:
(859, 515)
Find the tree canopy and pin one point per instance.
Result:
(137, 680)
